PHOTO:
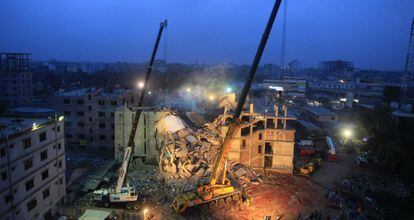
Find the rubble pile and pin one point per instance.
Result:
(189, 154)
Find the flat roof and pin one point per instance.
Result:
(309, 125)
(403, 114)
(13, 125)
(101, 92)
(32, 110)
(320, 111)
(77, 92)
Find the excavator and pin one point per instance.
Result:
(127, 194)
(218, 189)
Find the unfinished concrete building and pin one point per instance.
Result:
(263, 141)
(145, 143)
(15, 79)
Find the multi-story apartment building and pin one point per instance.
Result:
(90, 116)
(32, 167)
(16, 87)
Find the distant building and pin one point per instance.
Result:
(321, 115)
(90, 116)
(336, 66)
(294, 88)
(85, 67)
(15, 79)
(145, 144)
(32, 167)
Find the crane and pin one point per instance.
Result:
(128, 194)
(222, 191)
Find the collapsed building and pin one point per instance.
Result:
(179, 146)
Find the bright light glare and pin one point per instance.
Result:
(141, 84)
(188, 89)
(347, 133)
(145, 211)
(211, 97)
(149, 93)
(228, 89)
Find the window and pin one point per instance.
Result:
(61, 181)
(113, 103)
(260, 136)
(4, 175)
(28, 164)
(90, 131)
(89, 97)
(27, 143)
(45, 174)
(81, 124)
(31, 205)
(46, 193)
(90, 119)
(81, 136)
(43, 155)
(145, 120)
(90, 108)
(29, 185)
(68, 123)
(101, 102)
(80, 113)
(243, 145)
(8, 198)
(66, 101)
(67, 113)
(3, 152)
(59, 146)
(112, 114)
(79, 102)
(60, 164)
(102, 137)
(68, 135)
(259, 149)
(101, 114)
(11, 146)
(58, 128)
(102, 125)
(42, 136)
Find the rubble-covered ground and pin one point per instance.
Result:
(337, 190)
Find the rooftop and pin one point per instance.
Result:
(320, 111)
(82, 92)
(32, 110)
(13, 125)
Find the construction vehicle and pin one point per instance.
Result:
(310, 167)
(216, 192)
(127, 194)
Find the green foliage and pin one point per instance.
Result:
(393, 148)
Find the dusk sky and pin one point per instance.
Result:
(372, 33)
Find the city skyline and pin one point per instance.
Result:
(209, 32)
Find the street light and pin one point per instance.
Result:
(141, 84)
(188, 89)
(228, 89)
(347, 133)
(211, 97)
(145, 212)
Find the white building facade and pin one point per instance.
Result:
(32, 167)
